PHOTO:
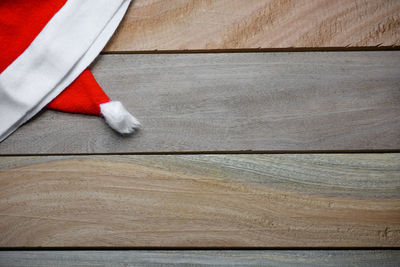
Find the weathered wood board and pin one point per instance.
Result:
(281, 200)
(251, 24)
(330, 101)
(259, 102)
(278, 258)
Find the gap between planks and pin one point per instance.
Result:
(207, 153)
(258, 50)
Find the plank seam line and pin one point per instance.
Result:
(194, 248)
(383, 151)
(252, 50)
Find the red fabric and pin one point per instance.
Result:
(20, 22)
(84, 95)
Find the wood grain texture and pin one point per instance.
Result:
(237, 24)
(279, 258)
(302, 200)
(234, 102)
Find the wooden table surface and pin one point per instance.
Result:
(271, 137)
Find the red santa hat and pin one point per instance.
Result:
(45, 49)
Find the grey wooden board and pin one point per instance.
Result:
(301, 101)
(195, 258)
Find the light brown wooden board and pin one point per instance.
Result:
(234, 102)
(252, 24)
(304, 200)
(279, 258)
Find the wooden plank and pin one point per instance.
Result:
(201, 257)
(234, 102)
(252, 24)
(281, 200)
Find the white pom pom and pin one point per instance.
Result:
(118, 117)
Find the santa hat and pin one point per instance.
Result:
(45, 49)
